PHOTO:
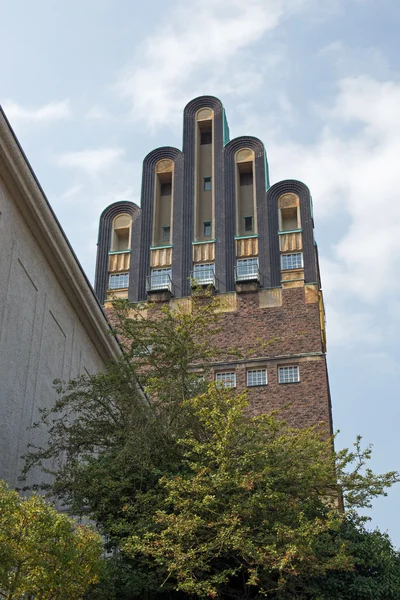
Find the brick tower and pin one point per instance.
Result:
(209, 215)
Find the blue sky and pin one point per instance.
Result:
(91, 87)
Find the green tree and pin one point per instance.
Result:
(43, 553)
(195, 497)
(375, 574)
(255, 505)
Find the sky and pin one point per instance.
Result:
(90, 87)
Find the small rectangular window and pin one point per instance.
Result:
(248, 223)
(207, 229)
(118, 280)
(227, 380)
(292, 261)
(207, 184)
(246, 178)
(166, 189)
(166, 233)
(205, 137)
(288, 374)
(256, 377)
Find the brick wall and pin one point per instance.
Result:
(287, 334)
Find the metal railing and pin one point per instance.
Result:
(159, 282)
(247, 272)
(203, 277)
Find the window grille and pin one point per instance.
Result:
(160, 279)
(204, 273)
(292, 261)
(118, 280)
(246, 268)
(226, 380)
(288, 374)
(256, 377)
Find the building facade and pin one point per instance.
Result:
(209, 217)
(51, 324)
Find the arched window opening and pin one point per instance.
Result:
(121, 233)
(204, 190)
(289, 212)
(163, 203)
(245, 194)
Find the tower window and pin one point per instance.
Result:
(207, 184)
(204, 273)
(166, 233)
(207, 229)
(247, 269)
(248, 223)
(160, 279)
(288, 374)
(118, 280)
(205, 137)
(166, 189)
(246, 178)
(120, 239)
(227, 380)
(256, 377)
(290, 219)
(292, 261)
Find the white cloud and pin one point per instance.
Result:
(97, 113)
(206, 43)
(346, 327)
(71, 192)
(52, 111)
(197, 42)
(92, 162)
(352, 172)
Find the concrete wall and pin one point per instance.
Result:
(51, 325)
(41, 336)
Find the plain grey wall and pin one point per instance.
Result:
(41, 336)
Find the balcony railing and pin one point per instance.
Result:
(159, 282)
(247, 273)
(203, 277)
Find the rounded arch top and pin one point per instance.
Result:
(288, 200)
(245, 142)
(202, 103)
(244, 155)
(249, 143)
(122, 220)
(289, 186)
(119, 208)
(160, 154)
(165, 165)
(204, 114)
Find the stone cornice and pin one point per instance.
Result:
(37, 212)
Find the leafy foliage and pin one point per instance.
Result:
(194, 496)
(254, 503)
(44, 553)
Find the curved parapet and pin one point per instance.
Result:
(170, 161)
(104, 242)
(246, 181)
(304, 226)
